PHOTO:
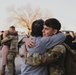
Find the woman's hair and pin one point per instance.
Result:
(37, 27)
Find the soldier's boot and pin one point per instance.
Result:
(3, 70)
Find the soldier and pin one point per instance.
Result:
(12, 41)
(54, 58)
(51, 27)
(12, 54)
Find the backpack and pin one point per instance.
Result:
(70, 61)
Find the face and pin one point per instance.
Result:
(48, 31)
(11, 30)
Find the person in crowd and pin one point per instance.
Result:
(51, 37)
(1, 36)
(68, 39)
(8, 54)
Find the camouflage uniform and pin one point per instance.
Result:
(54, 58)
(13, 49)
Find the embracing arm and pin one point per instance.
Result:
(51, 41)
(51, 56)
(8, 38)
(43, 45)
(46, 43)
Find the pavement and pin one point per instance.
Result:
(18, 62)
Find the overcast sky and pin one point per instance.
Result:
(63, 10)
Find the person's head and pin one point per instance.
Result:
(12, 29)
(1, 32)
(51, 27)
(37, 27)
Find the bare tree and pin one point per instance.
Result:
(25, 15)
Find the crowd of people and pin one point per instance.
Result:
(43, 52)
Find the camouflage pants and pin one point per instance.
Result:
(10, 63)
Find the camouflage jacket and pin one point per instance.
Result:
(53, 57)
(13, 42)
